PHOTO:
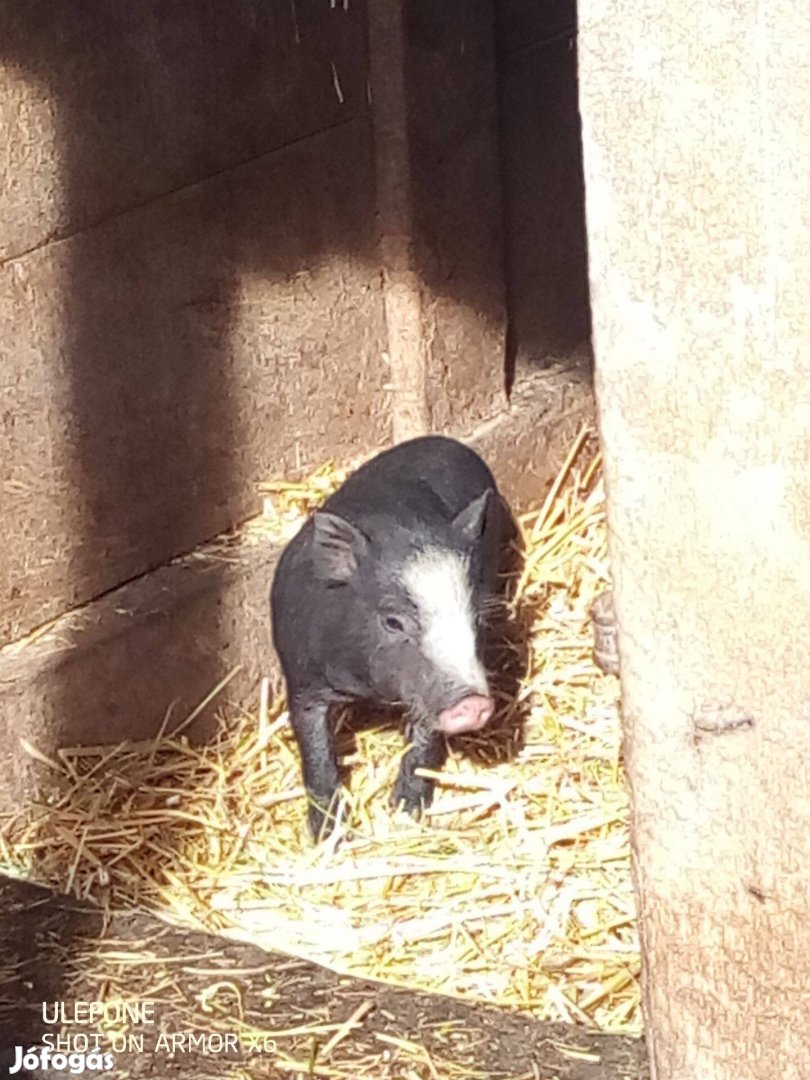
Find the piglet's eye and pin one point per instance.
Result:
(391, 622)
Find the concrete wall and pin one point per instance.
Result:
(190, 273)
(188, 259)
(236, 240)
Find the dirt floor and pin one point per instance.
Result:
(294, 1019)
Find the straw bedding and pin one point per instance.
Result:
(515, 889)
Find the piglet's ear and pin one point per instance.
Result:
(337, 547)
(469, 523)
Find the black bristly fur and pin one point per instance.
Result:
(344, 626)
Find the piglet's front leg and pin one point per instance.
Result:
(428, 750)
(310, 716)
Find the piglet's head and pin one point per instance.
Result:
(412, 605)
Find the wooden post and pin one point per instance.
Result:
(433, 104)
(697, 153)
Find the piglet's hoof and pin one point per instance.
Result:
(605, 633)
(325, 814)
(412, 794)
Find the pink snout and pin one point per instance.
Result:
(469, 714)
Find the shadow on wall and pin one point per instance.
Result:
(543, 182)
(154, 375)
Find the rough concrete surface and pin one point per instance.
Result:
(192, 265)
(105, 107)
(156, 366)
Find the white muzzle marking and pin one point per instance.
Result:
(438, 583)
